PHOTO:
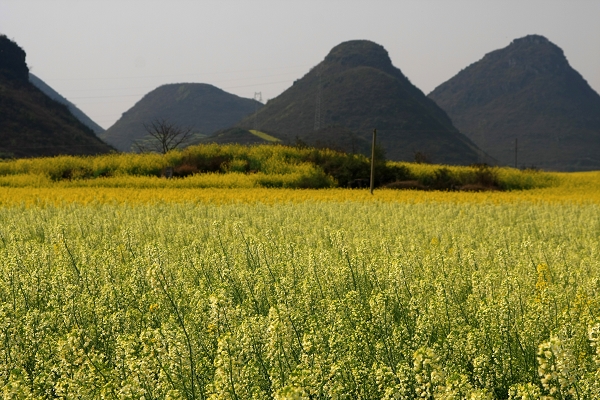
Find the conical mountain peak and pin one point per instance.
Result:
(31, 123)
(533, 39)
(357, 88)
(533, 52)
(360, 53)
(12, 60)
(526, 91)
(202, 107)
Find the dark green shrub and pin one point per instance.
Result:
(185, 170)
(486, 176)
(441, 179)
(102, 172)
(390, 173)
(206, 163)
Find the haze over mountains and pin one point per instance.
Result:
(202, 107)
(355, 89)
(54, 95)
(526, 91)
(31, 123)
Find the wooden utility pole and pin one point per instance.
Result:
(373, 160)
(516, 147)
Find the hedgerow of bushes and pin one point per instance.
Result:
(319, 168)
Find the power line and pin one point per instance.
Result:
(145, 87)
(109, 96)
(174, 75)
(134, 95)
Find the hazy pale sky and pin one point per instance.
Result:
(104, 55)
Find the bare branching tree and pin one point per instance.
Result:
(163, 136)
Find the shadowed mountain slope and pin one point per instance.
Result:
(526, 91)
(359, 89)
(202, 107)
(54, 95)
(31, 123)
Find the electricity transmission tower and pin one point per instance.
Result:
(318, 105)
(258, 97)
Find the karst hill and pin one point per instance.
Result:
(529, 92)
(203, 108)
(353, 90)
(31, 123)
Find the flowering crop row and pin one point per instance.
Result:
(347, 299)
(29, 190)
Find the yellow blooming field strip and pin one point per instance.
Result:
(264, 135)
(330, 299)
(215, 287)
(241, 188)
(207, 180)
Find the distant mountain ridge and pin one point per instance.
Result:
(356, 89)
(202, 107)
(31, 123)
(529, 92)
(53, 94)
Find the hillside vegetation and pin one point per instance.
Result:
(261, 166)
(526, 91)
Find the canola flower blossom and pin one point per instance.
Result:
(57, 195)
(347, 297)
(214, 287)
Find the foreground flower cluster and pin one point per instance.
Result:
(340, 300)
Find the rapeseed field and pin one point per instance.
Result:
(131, 286)
(579, 188)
